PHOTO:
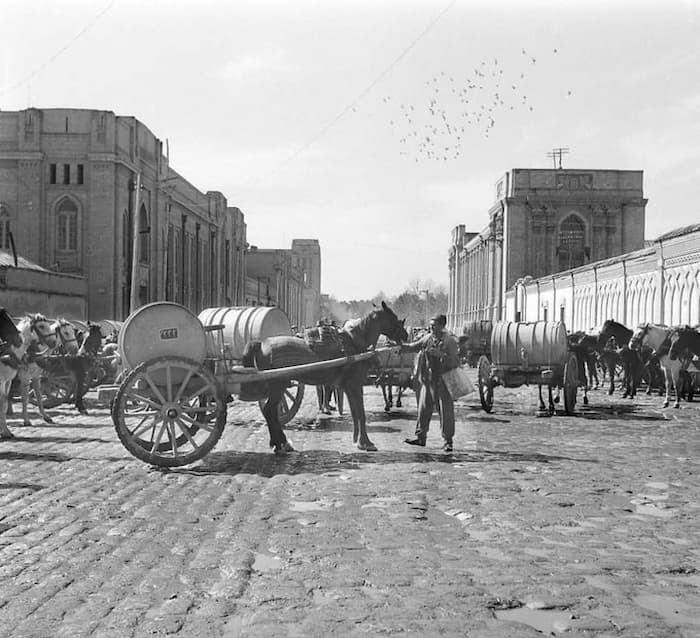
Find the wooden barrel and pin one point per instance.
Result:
(528, 344)
(158, 329)
(242, 324)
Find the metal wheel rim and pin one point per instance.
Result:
(290, 403)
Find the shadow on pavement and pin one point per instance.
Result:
(21, 486)
(617, 411)
(58, 439)
(29, 456)
(324, 461)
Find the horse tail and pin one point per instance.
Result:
(251, 354)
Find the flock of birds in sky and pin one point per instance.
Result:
(459, 107)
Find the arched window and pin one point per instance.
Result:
(67, 225)
(144, 236)
(4, 228)
(572, 243)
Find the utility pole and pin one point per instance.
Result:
(427, 309)
(134, 297)
(557, 153)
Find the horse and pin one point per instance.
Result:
(685, 346)
(658, 337)
(12, 349)
(621, 353)
(33, 365)
(80, 364)
(33, 330)
(282, 351)
(585, 347)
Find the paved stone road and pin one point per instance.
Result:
(584, 525)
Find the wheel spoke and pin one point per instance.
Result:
(156, 443)
(201, 391)
(152, 425)
(173, 438)
(155, 389)
(185, 430)
(201, 425)
(138, 398)
(168, 381)
(183, 385)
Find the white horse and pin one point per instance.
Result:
(658, 338)
(40, 337)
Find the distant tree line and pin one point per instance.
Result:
(421, 300)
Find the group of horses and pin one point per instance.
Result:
(35, 347)
(655, 354)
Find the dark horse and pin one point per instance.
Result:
(613, 348)
(279, 352)
(685, 346)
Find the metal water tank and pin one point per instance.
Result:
(242, 324)
(158, 329)
(528, 344)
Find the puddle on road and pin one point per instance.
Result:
(265, 563)
(670, 609)
(548, 621)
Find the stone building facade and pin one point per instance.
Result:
(543, 221)
(289, 279)
(657, 284)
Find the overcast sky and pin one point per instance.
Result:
(367, 124)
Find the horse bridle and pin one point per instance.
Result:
(635, 342)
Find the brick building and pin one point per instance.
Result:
(543, 221)
(68, 192)
(286, 278)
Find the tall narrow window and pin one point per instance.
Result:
(4, 229)
(66, 173)
(81, 175)
(144, 236)
(67, 226)
(52, 173)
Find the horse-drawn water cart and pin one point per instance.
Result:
(170, 409)
(533, 353)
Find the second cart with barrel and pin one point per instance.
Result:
(529, 353)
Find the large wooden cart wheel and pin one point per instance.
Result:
(485, 383)
(570, 383)
(290, 403)
(169, 411)
(56, 388)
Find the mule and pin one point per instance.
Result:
(658, 338)
(355, 338)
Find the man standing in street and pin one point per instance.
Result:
(438, 353)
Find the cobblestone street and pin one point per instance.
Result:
(583, 525)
